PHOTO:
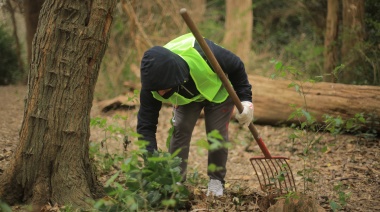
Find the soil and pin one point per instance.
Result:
(353, 162)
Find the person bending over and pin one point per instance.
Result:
(179, 73)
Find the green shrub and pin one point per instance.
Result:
(140, 181)
(145, 182)
(9, 66)
(5, 207)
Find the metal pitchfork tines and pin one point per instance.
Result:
(274, 173)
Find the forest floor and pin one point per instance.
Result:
(349, 168)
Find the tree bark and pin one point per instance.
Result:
(238, 27)
(51, 163)
(331, 35)
(272, 99)
(352, 37)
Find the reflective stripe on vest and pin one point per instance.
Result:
(207, 81)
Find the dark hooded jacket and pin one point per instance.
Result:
(162, 69)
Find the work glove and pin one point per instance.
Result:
(245, 117)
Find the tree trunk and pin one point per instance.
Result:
(198, 8)
(51, 163)
(272, 99)
(31, 13)
(330, 51)
(238, 26)
(352, 37)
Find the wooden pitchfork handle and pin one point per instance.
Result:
(214, 63)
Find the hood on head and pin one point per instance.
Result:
(162, 69)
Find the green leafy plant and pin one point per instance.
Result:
(10, 71)
(5, 207)
(213, 142)
(336, 125)
(343, 197)
(146, 182)
(139, 180)
(106, 160)
(289, 196)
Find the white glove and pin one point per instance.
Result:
(246, 117)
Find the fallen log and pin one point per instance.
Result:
(127, 101)
(272, 99)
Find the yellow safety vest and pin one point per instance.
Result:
(206, 80)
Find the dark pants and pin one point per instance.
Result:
(217, 117)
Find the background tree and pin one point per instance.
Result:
(331, 41)
(31, 13)
(352, 38)
(51, 163)
(11, 7)
(198, 9)
(149, 23)
(238, 28)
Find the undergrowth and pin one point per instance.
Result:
(138, 180)
(307, 133)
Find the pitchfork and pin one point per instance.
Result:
(273, 172)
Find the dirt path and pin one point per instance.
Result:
(354, 163)
(11, 114)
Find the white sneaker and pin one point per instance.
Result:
(215, 188)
